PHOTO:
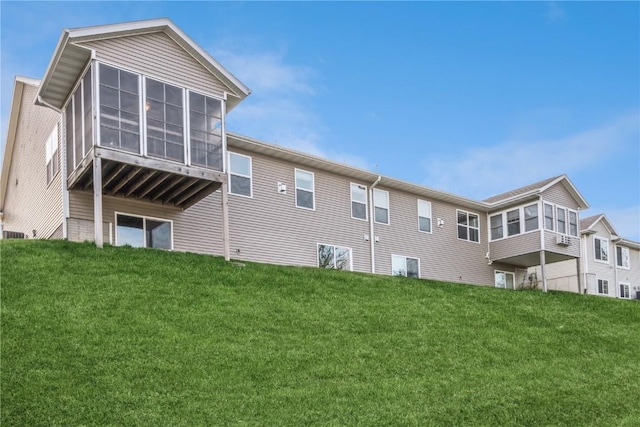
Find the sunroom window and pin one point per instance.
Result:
(119, 109)
(205, 128)
(165, 121)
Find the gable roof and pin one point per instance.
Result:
(69, 59)
(12, 127)
(535, 189)
(587, 224)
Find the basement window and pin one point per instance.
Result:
(334, 257)
(603, 287)
(405, 266)
(505, 279)
(143, 232)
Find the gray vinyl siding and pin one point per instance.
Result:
(515, 245)
(197, 229)
(157, 55)
(561, 276)
(559, 195)
(551, 245)
(30, 203)
(270, 228)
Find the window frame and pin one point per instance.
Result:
(334, 256)
(366, 200)
(564, 219)
(52, 156)
(375, 205)
(623, 249)
(595, 254)
(626, 285)
(602, 285)
(430, 217)
(468, 226)
(250, 176)
(405, 258)
(577, 224)
(522, 220)
(143, 81)
(313, 190)
(223, 113)
(552, 218)
(505, 273)
(144, 228)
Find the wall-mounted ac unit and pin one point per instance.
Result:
(563, 240)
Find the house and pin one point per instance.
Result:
(124, 141)
(609, 265)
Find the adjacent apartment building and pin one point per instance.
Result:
(124, 141)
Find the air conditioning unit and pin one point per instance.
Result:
(563, 240)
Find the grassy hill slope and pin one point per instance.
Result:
(124, 336)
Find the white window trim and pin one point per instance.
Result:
(223, 113)
(522, 219)
(602, 239)
(313, 191)
(366, 204)
(405, 264)
(334, 255)
(144, 229)
(505, 278)
(569, 222)
(430, 217)
(381, 207)
(628, 285)
(624, 248)
(555, 220)
(468, 227)
(598, 287)
(49, 157)
(250, 176)
(553, 217)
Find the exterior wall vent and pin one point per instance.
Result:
(13, 235)
(563, 240)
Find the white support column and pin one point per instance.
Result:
(97, 200)
(542, 268)
(225, 221)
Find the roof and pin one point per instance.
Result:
(532, 190)
(587, 224)
(590, 221)
(69, 59)
(12, 126)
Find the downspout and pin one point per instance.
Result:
(543, 255)
(585, 265)
(372, 239)
(615, 266)
(63, 168)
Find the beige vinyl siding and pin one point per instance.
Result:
(559, 195)
(58, 233)
(601, 270)
(270, 228)
(515, 245)
(157, 55)
(197, 229)
(561, 276)
(30, 203)
(551, 245)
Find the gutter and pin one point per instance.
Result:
(372, 240)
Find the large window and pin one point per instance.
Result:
(603, 287)
(52, 157)
(622, 257)
(573, 223)
(335, 257)
(424, 216)
(504, 279)
(205, 127)
(513, 222)
(624, 291)
(87, 99)
(165, 120)
(143, 232)
(405, 266)
(548, 217)
(305, 193)
(240, 174)
(358, 201)
(79, 122)
(561, 220)
(530, 217)
(468, 226)
(381, 206)
(496, 227)
(601, 249)
(119, 109)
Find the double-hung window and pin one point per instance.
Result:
(468, 226)
(334, 257)
(622, 257)
(573, 223)
(305, 193)
(240, 174)
(358, 201)
(504, 279)
(603, 287)
(513, 222)
(52, 157)
(548, 217)
(119, 109)
(561, 220)
(624, 291)
(143, 232)
(405, 266)
(531, 217)
(601, 249)
(165, 120)
(497, 230)
(424, 216)
(381, 206)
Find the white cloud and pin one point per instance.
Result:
(481, 171)
(279, 109)
(554, 11)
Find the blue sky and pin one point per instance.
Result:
(471, 98)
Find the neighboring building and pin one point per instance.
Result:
(124, 141)
(609, 266)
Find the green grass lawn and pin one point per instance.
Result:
(124, 336)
